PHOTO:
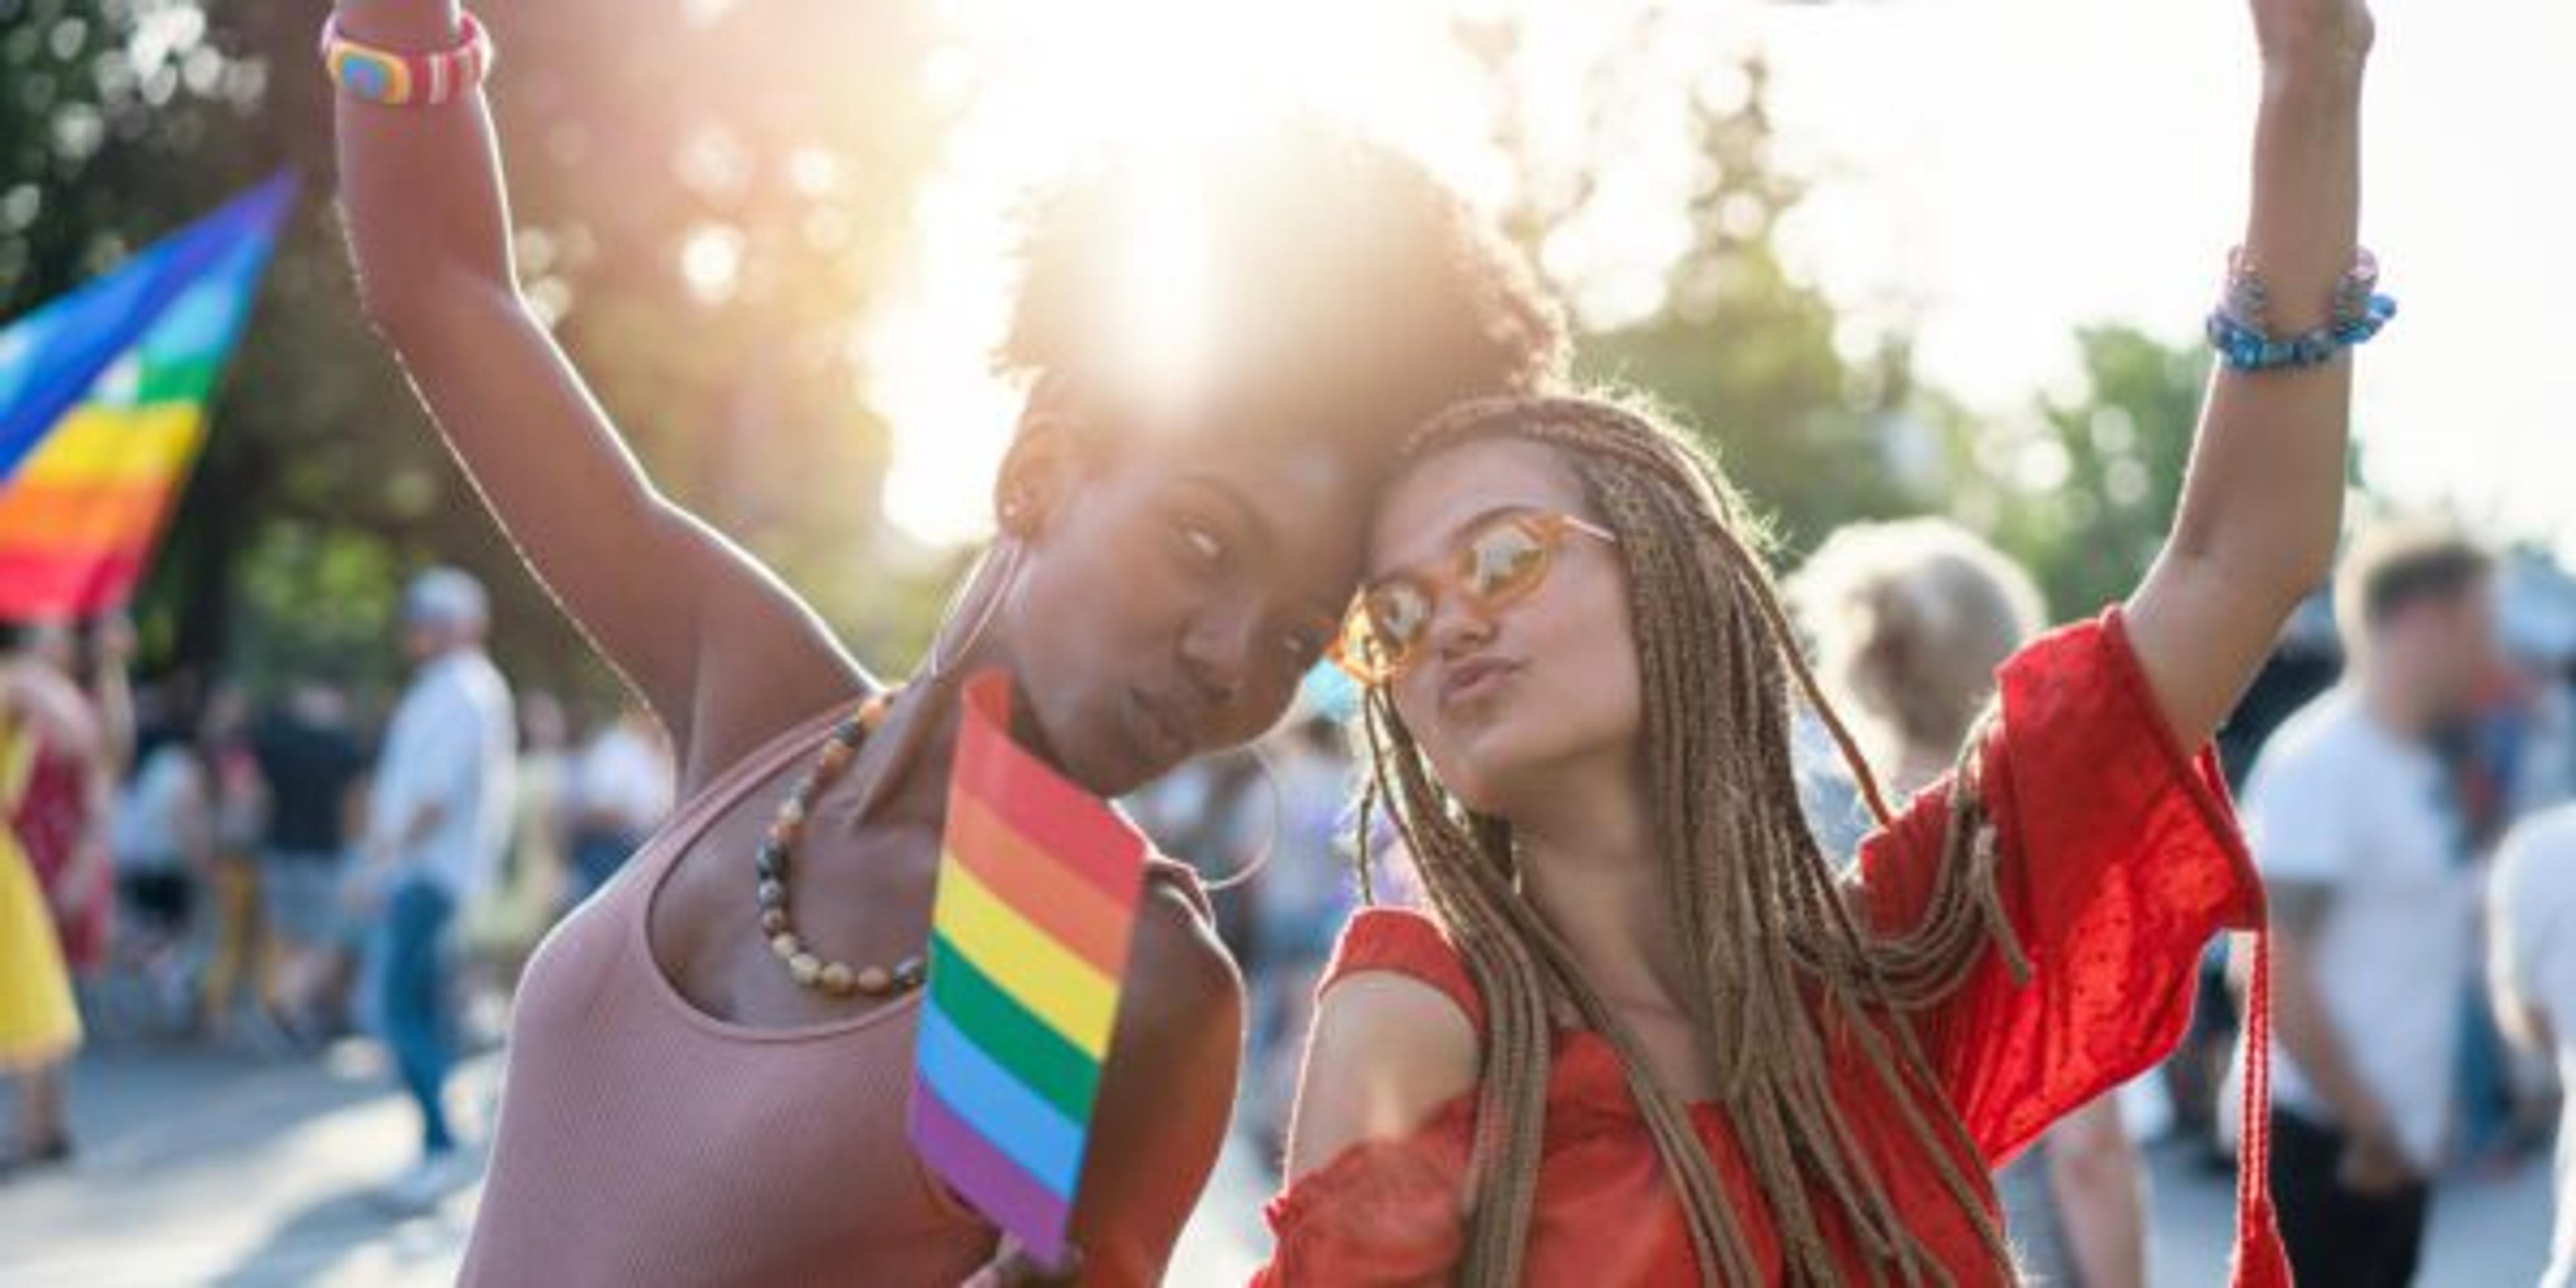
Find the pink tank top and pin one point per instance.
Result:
(642, 1141)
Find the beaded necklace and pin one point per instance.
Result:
(805, 966)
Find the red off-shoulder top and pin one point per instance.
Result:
(2118, 858)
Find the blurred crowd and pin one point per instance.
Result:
(2430, 660)
(272, 871)
(229, 868)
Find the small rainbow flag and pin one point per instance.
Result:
(103, 397)
(1038, 891)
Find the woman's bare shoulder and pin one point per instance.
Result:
(1388, 1050)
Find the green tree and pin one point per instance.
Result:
(2085, 492)
(1737, 347)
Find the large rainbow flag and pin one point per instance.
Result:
(1038, 891)
(103, 397)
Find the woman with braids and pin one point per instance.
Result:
(1910, 621)
(1644, 1034)
(710, 1062)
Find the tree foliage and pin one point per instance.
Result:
(2084, 490)
(710, 199)
(1734, 345)
(771, 149)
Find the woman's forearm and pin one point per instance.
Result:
(421, 187)
(2262, 504)
(2101, 1192)
(2266, 484)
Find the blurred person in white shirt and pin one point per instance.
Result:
(2531, 924)
(436, 825)
(621, 791)
(2357, 826)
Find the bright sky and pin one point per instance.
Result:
(1991, 172)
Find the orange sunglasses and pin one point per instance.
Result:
(1496, 563)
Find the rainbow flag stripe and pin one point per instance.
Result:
(103, 400)
(1038, 889)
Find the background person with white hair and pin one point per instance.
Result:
(435, 827)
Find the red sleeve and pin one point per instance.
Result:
(2118, 858)
(1383, 1213)
(1404, 942)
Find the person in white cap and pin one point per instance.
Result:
(435, 828)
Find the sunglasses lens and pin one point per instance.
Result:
(1393, 618)
(1356, 651)
(1504, 562)
(1496, 565)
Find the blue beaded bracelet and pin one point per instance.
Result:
(2236, 327)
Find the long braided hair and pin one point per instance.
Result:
(1780, 954)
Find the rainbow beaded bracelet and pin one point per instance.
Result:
(395, 79)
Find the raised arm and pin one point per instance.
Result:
(2263, 502)
(723, 652)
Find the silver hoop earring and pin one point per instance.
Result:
(1270, 838)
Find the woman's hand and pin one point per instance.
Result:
(2313, 35)
(1013, 1266)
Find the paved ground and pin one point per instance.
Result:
(220, 1170)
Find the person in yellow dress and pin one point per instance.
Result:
(40, 1024)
